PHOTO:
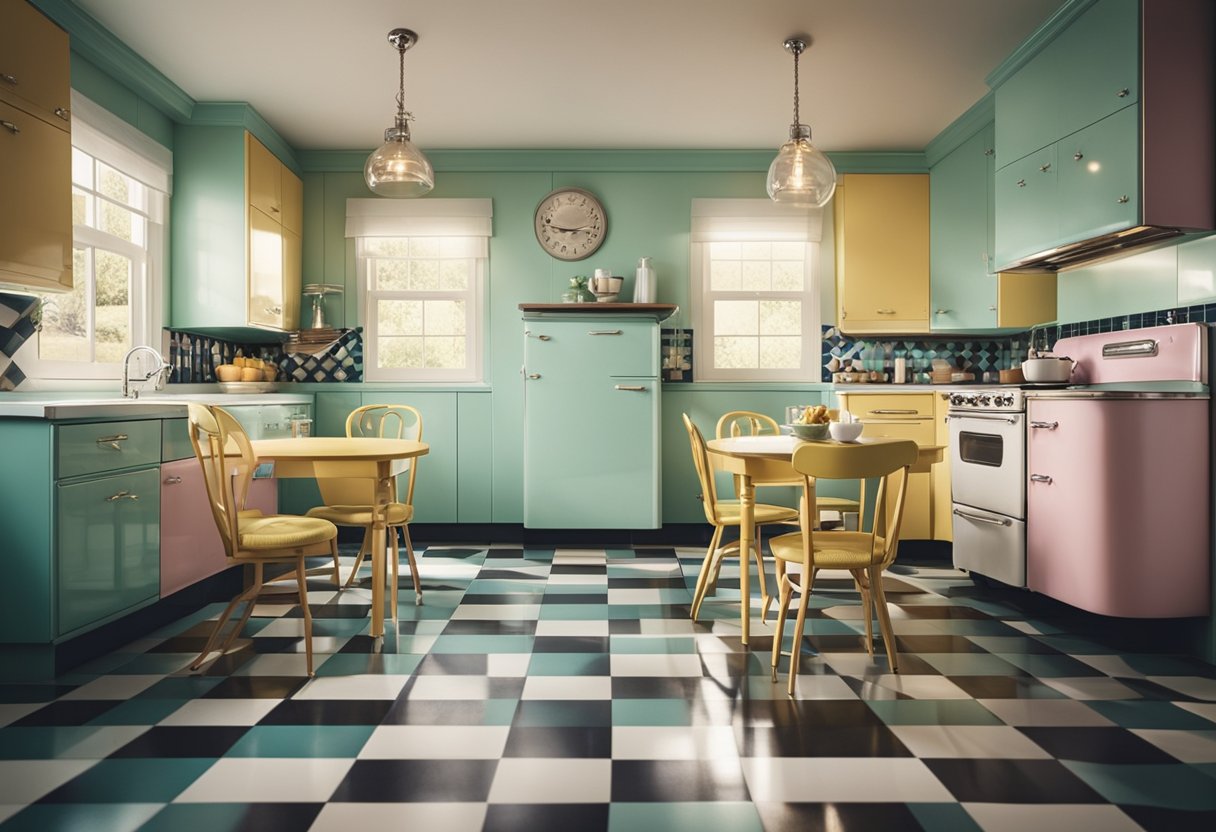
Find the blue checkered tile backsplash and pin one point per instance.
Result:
(976, 354)
(194, 358)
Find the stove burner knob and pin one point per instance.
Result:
(1007, 400)
(956, 399)
(984, 400)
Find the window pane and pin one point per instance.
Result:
(443, 317)
(399, 317)
(400, 353)
(120, 187)
(82, 168)
(724, 275)
(781, 317)
(724, 251)
(781, 353)
(756, 251)
(787, 275)
(65, 317)
(82, 207)
(424, 275)
(736, 317)
(756, 276)
(735, 353)
(122, 223)
(789, 251)
(445, 353)
(425, 246)
(454, 275)
(386, 246)
(390, 274)
(112, 325)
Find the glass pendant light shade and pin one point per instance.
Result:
(801, 175)
(398, 168)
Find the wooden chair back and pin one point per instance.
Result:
(705, 471)
(223, 450)
(383, 421)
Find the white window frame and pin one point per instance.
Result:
(110, 140)
(749, 221)
(465, 218)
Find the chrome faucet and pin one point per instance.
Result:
(159, 373)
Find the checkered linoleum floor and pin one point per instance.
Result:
(567, 689)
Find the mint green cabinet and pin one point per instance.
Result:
(591, 423)
(435, 484)
(105, 446)
(108, 546)
(1099, 177)
(1026, 218)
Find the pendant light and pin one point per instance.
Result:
(398, 168)
(801, 175)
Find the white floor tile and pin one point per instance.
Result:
(842, 780)
(579, 580)
(1044, 712)
(235, 712)
(360, 686)
(579, 557)
(449, 817)
(568, 687)
(669, 627)
(436, 742)
(892, 685)
(1193, 686)
(238, 780)
(496, 612)
(635, 596)
(1187, 746)
(24, 781)
(103, 741)
(970, 741)
(553, 627)
(1007, 817)
(508, 665)
(1207, 710)
(450, 687)
(1110, 665)
(526, 780)
(113, 687)
(276, 664)
(10, 713)
(652, 742)
(624, 664)
(1090, 687)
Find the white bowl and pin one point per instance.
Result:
(845, 431)
(1048, 369)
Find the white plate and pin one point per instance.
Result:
(248, 386)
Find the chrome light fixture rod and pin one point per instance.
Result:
(801, 175)
(398, 168)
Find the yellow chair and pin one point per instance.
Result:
(864, 554)
(749, 423)
(723, 513)
(348, 502)
(250, 537)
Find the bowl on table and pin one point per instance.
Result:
(845, 431)
(802, 431)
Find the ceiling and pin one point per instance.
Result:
(879, 74)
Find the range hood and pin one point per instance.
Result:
(1093, 250)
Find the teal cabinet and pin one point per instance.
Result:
(474, 457)
(591, 423)
(26, 515)
(108, 546)
(1098, 177)
(1026, 208)
(106, 446)
(435, 483)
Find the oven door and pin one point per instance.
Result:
(991, 544)
(988, 461)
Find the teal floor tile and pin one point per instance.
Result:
(123, 817)
(336, 741)
(943, 817)
(133, 780)
(969, 664)
(653, 645)
(138, 712)
(483, 644)
(651, 712)
(1140, 713)
(569, 664)
(342, 627)
(349, 664)
(42, 742)
(975, 627)
(557, 590)
(1168, 786)
(1046, 666)
(427, 612)
(506, 587)
(683, 817)
(932, 712)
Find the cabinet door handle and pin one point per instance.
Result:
(942, 311)
(534, 376)
(274, 210)
(632, 388)
(528, 334)
(885, 311)
(274, 310)
(63, 113)
(1123, 93)
(173, 480)
(979, 518)
(1078, 156)
(605, 332)
(990, 152)
(10, 127)
(1044, 425)
(1040, 478)
(1122, 200)
(111, 442)
(1045, 168)
(1021, 183)
(992, 308)
(894, 412)
(121, 495)
(8, 79)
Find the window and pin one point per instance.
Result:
(421, 267)
(120, 184)
(754, 291)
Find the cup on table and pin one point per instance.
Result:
(301, 427)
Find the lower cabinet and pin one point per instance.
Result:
(108, 546)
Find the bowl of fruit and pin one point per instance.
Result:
(813, 424)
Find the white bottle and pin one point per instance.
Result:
(901, 369)
(644, 284)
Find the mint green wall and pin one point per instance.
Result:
(101, 88)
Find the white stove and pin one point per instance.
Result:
(999, 399)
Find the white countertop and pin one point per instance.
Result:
(53, 405)
(909, 388)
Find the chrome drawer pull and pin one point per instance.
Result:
(1005, 521)
(632, 388)
(605, 332)
(273, 310)
(943, 311)
(1122, 200)
(1040, 478)
(173, 480)
(885, 311)
(63, 113)
(533, 376)
(121, 495)
(8, 79)
(10, 127)
(1130, 349)
(1021, 183)
(979, 417)
(528, 334)
(1044, 425)
(894, 412)
(112, 441)
(1123, 93)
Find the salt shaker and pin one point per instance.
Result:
(644, 284)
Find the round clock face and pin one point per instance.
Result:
(570, 224)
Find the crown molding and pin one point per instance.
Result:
(241, 114)
(978, 116)
(1048, 31)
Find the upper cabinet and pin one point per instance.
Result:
(1104, 137)
(882, 252)
(238, 214)
(964, 294)
(35, 151)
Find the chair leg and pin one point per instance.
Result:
(250, 596)
(703, 576)
(302, 582)
(393, 567)
(359, 558)
(808, 580)
(409, 551)
(884, 616)
(784, 589)
(337, 572)
(765, 598)
(863, 589)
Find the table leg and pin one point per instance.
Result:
(378, 545)
(747, 534)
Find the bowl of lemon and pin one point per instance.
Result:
(813, 424)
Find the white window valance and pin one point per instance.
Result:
(754, 219)
(419, 217)
(103, 135)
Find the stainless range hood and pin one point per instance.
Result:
(1093, 250)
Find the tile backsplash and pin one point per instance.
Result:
(974, 354)
(194, 358)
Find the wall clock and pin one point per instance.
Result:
(570, 223)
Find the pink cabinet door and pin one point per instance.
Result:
(1117, 505)
(190, 545)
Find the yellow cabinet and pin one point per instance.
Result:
(943, 503)
(882, 252)
(276, 211)
(35, 152)
(908, 416)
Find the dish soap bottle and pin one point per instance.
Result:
(643, 284)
